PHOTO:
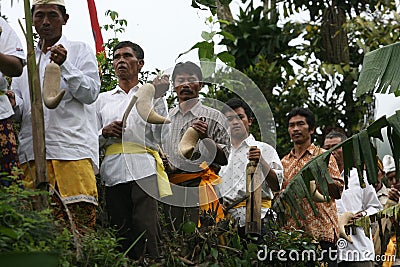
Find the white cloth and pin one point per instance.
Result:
(233, 175)
(122, 168)
(9, 45)
(70, 129)
(48, 2)
(355, 199)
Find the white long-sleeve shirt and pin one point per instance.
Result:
(70, 129)
(355, 199)
(9, 45)
(122, 168)
(233, 175)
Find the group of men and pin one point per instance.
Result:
(204, 183)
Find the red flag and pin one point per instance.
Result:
(98, 38)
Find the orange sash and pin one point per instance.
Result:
(207, 196)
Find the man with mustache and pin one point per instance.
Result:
(130, 175)
(193, 177)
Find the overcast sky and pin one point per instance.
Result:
(164, 29)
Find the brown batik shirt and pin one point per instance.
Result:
(324, 226)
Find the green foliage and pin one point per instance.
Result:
(206, 48)
(26, 231)
(287, 61)
(221, 245)
(99, 248)
(317, 7)
(22, 228)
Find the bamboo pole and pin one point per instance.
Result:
(39, 147)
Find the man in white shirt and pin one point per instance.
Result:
(360, 201)
(131, 176)
(244, 148)
(70, 128)
(11, 63)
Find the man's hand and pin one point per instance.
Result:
(201, 126)
(114, 129)
(394, 193)
(161, 84)
(254, 154)
(358, 215)
(11, 97)
(58, 54)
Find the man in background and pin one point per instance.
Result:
(323, 227)
(11, 63)
(361, 202)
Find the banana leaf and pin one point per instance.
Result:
(357, 157)
(347, 149)
(380, 72)
(369, 155)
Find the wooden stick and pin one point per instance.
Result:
(38, 135)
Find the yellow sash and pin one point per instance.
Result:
(164, 188)
(207, 196)
(265, 203)
(390, 252)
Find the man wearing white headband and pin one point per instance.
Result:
(70, 128)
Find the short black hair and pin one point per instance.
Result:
(62, 9)
(187, 67)
(304, 112)
(135, 47)
(336, 134)
(235, 103)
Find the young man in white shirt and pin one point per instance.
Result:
(244, 148)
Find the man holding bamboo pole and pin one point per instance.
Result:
(70, 123)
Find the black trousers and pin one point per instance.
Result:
(176, 215)
(133, 210)
(330, 258)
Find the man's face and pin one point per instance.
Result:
(299, 130)
(187, 86)
(126, 65)
(48, 21)
(239, 123)
(391, 178)
(337, 153)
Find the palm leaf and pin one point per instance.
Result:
(380, 71)
(369, 155)
(347, 149)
